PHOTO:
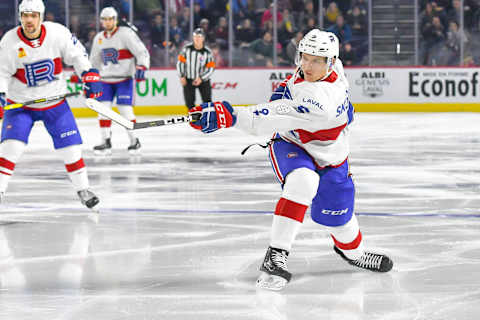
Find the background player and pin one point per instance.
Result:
(118, 53)
(311, 112)
(31, 68)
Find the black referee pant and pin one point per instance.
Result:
(189, 92)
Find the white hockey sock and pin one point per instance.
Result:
(298, 191)
(348, 238)
(127, 112)
(284, 231)
(11, 151)
(77, 172)
(105, 124)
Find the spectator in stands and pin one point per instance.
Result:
(455, 12)
(184, 20)
(263, 50)
(306, 14)
(209, 34)
(198, 14)
(331, 14)
(341, 30)
(347, 54)
(245, 34)
(157, 31)
(221, 33)
(175, 30)
(217, 56)
(358, 22)
(454, 39)
(287, 28)
(311, 24)
(268, 16)
(363, 5)
(291, 49)
(434, 39)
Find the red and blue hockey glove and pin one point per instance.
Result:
(92, 86)
(140, 73)
(214, 116)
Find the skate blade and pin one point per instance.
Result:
(102, 153)
(271, 282)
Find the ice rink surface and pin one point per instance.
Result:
(184, 227)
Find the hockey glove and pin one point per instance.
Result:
(92, 87)
(140, 73)
(215, 115)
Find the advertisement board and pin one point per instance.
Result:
(371, 89)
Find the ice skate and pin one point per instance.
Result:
(370, 261)
(274, 274)
(104, 149)
(89, 199)
(134, 148)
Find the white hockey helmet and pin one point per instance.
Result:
(109, 12)
(31, 6)
(318, 43)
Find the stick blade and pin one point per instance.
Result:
(109, 113)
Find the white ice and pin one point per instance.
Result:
(183, 228)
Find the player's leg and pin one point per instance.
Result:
(206, 91)
(296, 172)
(105, 146)
(333, 207)
(16, 128)
(124, 94)
(63, 129)
(189, 94)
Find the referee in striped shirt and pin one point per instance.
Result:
(195, 66)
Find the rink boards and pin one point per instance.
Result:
(373, 89)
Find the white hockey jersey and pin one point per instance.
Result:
(116, 55)
(33, 69)
(312, 115)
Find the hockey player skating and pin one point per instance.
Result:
(118, 53)
(308, 115)
(31, 68)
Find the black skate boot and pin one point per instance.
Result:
(274, 274)
(134, 148)
(370, 261)
(103, 149)
(88, 199)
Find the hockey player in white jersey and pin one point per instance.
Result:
(308, 115)
(119, 54)
(32, 57)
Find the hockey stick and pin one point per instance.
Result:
(112, 115)
(41, 100)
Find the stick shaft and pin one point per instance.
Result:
(41, 100)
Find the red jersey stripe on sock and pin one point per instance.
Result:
(290, 209)
(7, 164)
(75, 166)
(105, 123)
(348, 246)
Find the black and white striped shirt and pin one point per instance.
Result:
(193, 63)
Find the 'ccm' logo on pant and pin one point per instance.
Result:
(335, 212)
